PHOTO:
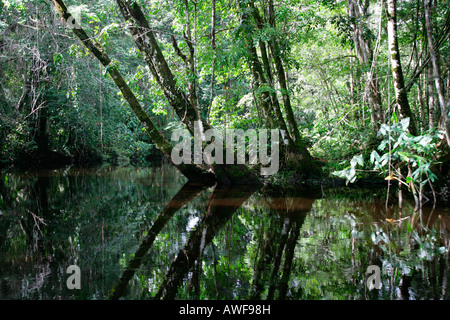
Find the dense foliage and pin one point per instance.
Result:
(358, 88)
(328, 69)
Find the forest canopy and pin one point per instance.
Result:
(353, 87)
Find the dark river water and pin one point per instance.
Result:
(143, 233)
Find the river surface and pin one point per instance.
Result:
(143, 233)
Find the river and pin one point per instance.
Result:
(144, 233)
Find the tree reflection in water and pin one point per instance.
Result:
(126, 229)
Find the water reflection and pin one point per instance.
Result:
(221, 206)
(143, 233)
(187, 193)
(280, 240)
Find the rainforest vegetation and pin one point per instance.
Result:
(92, 93)
(357, 88)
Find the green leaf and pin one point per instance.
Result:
(425, 140)
(409, 229)
(384, 159)
(383, 130)
(405, 124)
(357, 160)
(432, 176)
(394, 118)
(374, 157)
(383, 144)
(352, 175)
(404, 156)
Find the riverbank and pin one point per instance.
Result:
(284, 182)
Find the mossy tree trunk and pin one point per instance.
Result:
(191, 171)
(179, 100)
(184, 105)
(401, 97)
(296, 152)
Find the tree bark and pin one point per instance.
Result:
(358, 10)
(270, 79)
(304, 162)
(192, 171)
(146, 42)
(401, 97)
(213, 47)
(435, 63)
(260, 85)
(430, 100)
(193, 86)
(186, 111)
(273, 95)
(276, 54)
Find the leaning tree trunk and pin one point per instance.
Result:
(397, 73)
(146, 41)
(435, 63)
(192, 171)
(188, 113)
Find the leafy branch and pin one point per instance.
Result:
(401, 156)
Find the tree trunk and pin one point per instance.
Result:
(273, 95)
(193, 85)
(401, 97)
(186, 111)
(146, 42)
(430, 96)
(213, 47)
(270, 79)
(276, 54)
(296, 147)
(192, 172)
(435, 63)
(260, 84)
(358, 10)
